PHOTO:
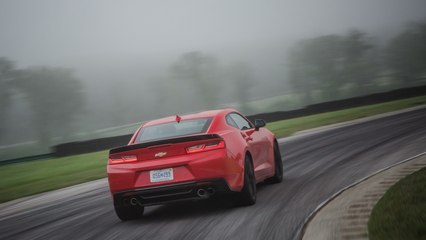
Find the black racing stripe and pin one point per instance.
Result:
(164, 141)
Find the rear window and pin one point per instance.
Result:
(173, 129)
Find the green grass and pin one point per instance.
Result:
(401, 212)
(288, 127)
(24, 179)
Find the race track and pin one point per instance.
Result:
(315, 167)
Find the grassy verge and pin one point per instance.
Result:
(401, 212)
(24, 179)
(288, 127)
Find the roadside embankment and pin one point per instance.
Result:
(346, 215)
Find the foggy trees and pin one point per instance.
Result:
(315, 64)
(328, 63)
(360, 65)
(213, 82)
(335, 65)
(322, 68)
(202, 73)
(406, 54)
(241, 76)
(54, 95)
(6, 76)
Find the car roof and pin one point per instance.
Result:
(204, 114)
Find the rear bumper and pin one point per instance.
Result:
(186, 168)
(185, 191)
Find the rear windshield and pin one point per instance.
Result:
(173, 129)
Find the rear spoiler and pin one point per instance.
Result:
(164, 141)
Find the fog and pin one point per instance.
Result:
(67, 32)
(139, 60)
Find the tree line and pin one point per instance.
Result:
(318, 69)
(331, 66)
(54, 95)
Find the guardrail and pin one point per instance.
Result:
(74, 148)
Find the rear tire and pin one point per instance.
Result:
(126, 213)
(248, 194)
(278, 177)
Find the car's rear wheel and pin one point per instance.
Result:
(248, 194)
(126, 213)
(278, 176)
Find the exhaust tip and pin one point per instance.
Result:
(202, 193)
(211, 191)
(134, 201)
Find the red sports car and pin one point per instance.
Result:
(192, 157)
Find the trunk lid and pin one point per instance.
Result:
(164, 148)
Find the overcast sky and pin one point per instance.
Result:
(55, 32)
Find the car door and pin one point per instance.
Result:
(254, 141)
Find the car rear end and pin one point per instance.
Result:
(181, 163)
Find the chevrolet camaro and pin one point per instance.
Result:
(193, 157)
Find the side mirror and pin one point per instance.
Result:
(258, 123)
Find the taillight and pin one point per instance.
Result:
(123, 159)
(205, 147)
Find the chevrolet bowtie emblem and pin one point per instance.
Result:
(160, 154)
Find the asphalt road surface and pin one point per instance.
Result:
(315, 167)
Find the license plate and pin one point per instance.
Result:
(161, 175)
